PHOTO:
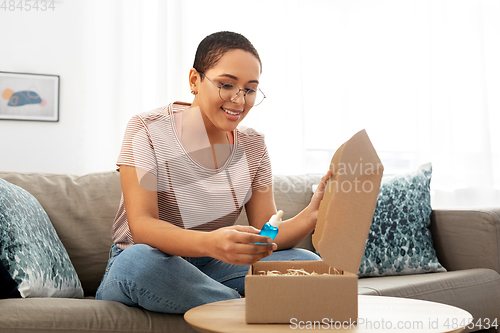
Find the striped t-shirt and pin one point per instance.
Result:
(190, 195)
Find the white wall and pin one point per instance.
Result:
(49, 42)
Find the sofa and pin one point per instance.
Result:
(82, 210)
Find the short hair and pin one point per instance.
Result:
(214, 46)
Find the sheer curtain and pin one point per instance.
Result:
(422, 77)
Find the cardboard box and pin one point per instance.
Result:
(344, 218)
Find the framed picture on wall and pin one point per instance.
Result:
(29, 96)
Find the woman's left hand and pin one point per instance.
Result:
(317, 197)
(261, 206)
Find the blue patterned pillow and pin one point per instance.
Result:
(400, 241)
(30, 249)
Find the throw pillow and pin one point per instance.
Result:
(30, 249)
(400, 241)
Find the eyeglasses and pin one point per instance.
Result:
(229, 92)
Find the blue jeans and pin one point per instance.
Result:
(146, 277)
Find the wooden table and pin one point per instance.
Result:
(375, 314)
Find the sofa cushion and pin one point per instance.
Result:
(474, 290)
(399, 241)
(82, 210)
(48, 315)
(30, 249)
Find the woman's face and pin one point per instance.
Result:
(236, 67)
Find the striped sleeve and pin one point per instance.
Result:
(137, 148)
(264, 175)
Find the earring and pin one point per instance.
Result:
(192, 92)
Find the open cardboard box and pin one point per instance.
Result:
(344, 218)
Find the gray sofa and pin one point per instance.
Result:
(82, 210)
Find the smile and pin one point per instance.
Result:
(231, 112)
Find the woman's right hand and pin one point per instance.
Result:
(236, 245)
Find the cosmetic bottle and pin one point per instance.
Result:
(270, 229)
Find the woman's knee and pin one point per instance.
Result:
(136, 262)
(138, 251)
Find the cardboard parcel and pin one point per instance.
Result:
(344, 218)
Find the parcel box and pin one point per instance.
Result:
(344, 218)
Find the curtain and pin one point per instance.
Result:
(422, 77)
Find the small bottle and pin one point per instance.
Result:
(270, 229)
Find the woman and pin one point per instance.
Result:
(186, 172)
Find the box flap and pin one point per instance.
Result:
(346, 211)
